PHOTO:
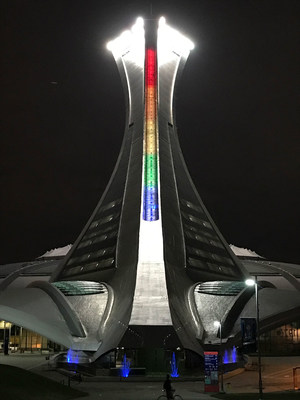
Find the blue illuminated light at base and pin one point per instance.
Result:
(233, 355)
(225, 357)
(174, 367)
(72, 357)
(125, 370)
(230, 356)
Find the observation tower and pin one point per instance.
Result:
(150, 269)
(150, 239)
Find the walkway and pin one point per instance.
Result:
(277, 375)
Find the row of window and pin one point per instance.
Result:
(221, 288)
(80, 288)
(203, 231)
(212, 255)
(196, 220)
(104, 220)
(209, 266)
(100, 231)
(91, 256)
(201, 238)
(98, 239)
(208, 234)
(91, 267)
(192, 207)
(209, 255)
(109, 206)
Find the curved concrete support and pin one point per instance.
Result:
(107, 312)
(233, 312)
(276, 307)
(193, 310)
(229, 310)
(212, 308)
(67, 311)
(33, 309)
(279, 319)
(13, 276)
(287, 275)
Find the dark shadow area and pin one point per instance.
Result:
(254, 396)
(19, 384)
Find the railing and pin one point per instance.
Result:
(295, 378)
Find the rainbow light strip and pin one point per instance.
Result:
(151, 210)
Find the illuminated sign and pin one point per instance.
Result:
(211, 378)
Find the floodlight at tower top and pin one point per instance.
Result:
(130, 40)
(162, 21)
(175, 37)
(169, 39)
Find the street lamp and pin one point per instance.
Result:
(218, 324)
(251, 282)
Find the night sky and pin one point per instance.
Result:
(62, 113)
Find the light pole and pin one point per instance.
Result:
(251, 282)
(218, 324)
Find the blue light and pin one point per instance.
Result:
(174, 367)
(150, 203)
(226, 358)
(233, 355)
(230, 356)
(125, 370)
(72, 357)
(151, 210)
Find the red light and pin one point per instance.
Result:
(151, 70)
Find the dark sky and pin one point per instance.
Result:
(236, 116)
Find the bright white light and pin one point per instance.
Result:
(162, 21)
(217, 324)
(191, 44)
(151, 242)
(171, 41)
(125, 35)
(140, 22)
(132, 41)
(250, 282)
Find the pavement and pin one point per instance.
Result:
(277, 375)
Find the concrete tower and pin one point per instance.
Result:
(150, 238)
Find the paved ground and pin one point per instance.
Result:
(277, 375)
